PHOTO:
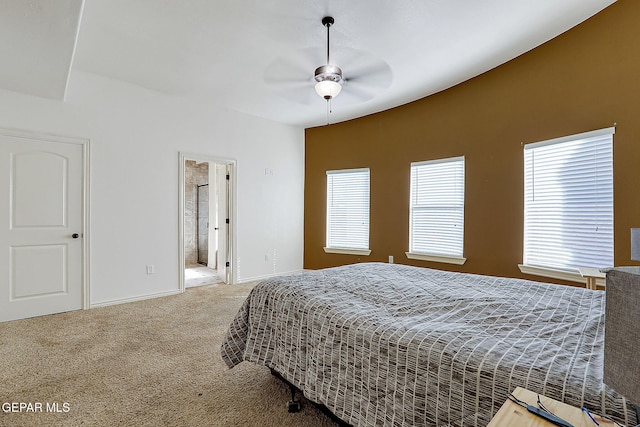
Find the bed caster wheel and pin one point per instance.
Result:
(293, 406)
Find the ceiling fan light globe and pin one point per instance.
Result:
(328, 89)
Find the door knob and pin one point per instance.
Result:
(75, 235)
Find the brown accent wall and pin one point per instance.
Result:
(587, 78)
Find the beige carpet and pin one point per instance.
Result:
(148, 363)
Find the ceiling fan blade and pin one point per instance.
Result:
(366, 68)
(304, 95)
(298, 66)
(355, 93)
(377, 75)
(280, 73)
(291, 76)
(287, 84)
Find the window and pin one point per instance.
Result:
(348, 211)
(568, 202)
(436, 213)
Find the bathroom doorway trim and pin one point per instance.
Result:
(231, 168)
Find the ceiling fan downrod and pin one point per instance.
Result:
(328, 21)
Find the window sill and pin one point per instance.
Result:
(571, 276)
(348, 251)
(436, 258)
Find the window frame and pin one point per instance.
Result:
(567, 274)
(457, 258)
(328, 236)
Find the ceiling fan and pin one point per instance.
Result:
(329, 76)
(364, 77)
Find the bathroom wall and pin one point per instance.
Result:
(195, 175)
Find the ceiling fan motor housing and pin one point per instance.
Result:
(328, 72)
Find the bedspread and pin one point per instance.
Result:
(395, 345)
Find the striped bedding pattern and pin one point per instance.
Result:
(395, 345)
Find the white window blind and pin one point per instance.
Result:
(348, 209)
(568, 205)
(437, 207)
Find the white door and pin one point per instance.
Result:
(222, 187)
(41, 226)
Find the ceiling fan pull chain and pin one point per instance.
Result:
(328, 111)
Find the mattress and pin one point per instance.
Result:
(394, 345)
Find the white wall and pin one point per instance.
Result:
(136, 136)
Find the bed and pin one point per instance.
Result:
(395, 345)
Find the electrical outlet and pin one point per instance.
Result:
(390, 259)
(150, 269)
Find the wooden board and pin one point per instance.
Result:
(511, 414)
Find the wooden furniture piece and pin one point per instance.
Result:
(511, 414)
(591, 275)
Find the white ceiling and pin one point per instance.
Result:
(258, 57)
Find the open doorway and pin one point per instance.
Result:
(206, 220)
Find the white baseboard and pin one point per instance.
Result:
(177, 291)
(267, 276)
(133, 299)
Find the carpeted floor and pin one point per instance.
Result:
(147, 363)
